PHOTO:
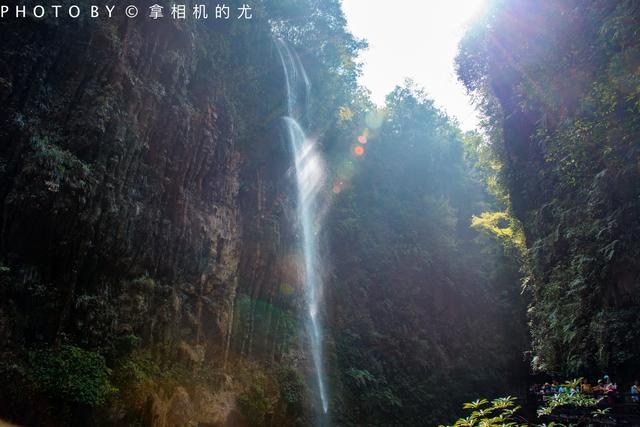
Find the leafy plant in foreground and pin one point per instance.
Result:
(498, 412)
(504, 411)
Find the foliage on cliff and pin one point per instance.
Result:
(418, 297)
(559, 83)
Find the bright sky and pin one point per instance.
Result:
(416, 39)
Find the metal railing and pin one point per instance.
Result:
(623, 411)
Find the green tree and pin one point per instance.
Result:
(560, 93)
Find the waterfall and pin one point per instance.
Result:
(309, 179)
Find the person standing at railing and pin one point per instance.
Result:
(585, 387)
(635, 392)
(609, 389)
(609, 386)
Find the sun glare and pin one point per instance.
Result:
(415, 39)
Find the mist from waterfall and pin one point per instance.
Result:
(309, 179)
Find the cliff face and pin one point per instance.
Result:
(118, 164)
(147, 216)
(119, 186)
(269, 283)
(559, 85)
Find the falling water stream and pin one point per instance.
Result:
(309, 179)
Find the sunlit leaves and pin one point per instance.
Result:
(500, 225)
(475, 404)
(498, 412)
(504, 412)
(345, 114)
(600, 412)
(574, 399)
(503, 402)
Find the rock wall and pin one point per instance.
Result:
(146, 208)
(119, 192)
(119, 167)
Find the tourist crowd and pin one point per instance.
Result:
(604, 387)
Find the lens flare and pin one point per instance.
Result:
(363, 139)
(375, 118)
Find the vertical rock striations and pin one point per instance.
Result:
(119, 183)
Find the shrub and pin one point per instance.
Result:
(253, 405)
(292, 388)
(504, 412)
(70, 374)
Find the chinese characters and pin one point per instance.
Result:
(200, 11)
